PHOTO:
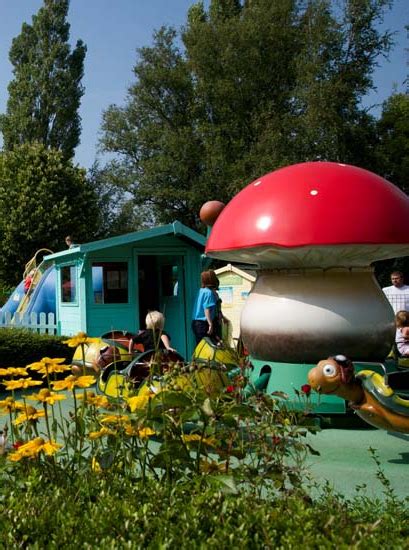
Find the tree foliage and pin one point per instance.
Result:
(245, 88)
(45, 94)
(393, 151)
(42, 199)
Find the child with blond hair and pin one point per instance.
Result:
(153, 337)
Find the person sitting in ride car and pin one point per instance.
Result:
(153, 337)
(402, 332)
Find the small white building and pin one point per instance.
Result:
(235, 285)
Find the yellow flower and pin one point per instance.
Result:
(13, 371)
(145, 432)
(9, 405)
(79, 339)
(114, 419)
(48, 366)
(101, 433)
(71, 381)
(29, 414)
(29, 449)
(131, 430)
(139, 402)
(21, 383)
(15, 457)
(142, 433)
(33, 448)
(197, 438)
(95, 466)
(96, 400)
(50, 447)
(47, 396)
(85, 381)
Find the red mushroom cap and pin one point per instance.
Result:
(315, 214)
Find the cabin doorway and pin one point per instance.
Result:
(162, 287)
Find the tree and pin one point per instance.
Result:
(45, 94)
(393, 150)
(43, 198)
(155, 136)
(392, 162)
(334, 69)
(259, 85)
(117, 214)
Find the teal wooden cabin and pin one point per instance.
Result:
(113, 283)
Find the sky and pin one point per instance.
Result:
(114, 29)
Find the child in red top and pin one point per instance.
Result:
(28, 281)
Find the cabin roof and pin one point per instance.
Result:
(229, 268)
(176, 229)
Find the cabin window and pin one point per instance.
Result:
(68, 284)
(110, 282)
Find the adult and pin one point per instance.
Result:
(204, 319)
(398, 292)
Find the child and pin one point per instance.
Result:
(402, 332)
(69, 242)
(153, 337)
(28, 281)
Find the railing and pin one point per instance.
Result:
(42, 323)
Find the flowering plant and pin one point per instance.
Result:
(304, 398)
(203, 422)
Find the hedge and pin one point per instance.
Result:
(20, 347)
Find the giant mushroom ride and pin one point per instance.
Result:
(312, 232)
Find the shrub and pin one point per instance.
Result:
(93, 512)
(20, 347)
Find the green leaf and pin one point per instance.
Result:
(170, 399)
(224, 483)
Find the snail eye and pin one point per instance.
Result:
(329, 370)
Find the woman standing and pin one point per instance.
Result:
(205, 309)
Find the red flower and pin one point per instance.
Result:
(306, 388)
(17, 444)
(230, 389)
(276, 440)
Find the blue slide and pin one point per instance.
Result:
(14, 301)
(42, 299)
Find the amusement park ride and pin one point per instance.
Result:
(311, 232)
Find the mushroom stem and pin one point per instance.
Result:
(301, 315)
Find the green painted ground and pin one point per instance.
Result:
(346, 462)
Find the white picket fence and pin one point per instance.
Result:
(42, 323)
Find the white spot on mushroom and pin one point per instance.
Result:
(340, 164)
(264, 222)
(313, 192)
(257, 183)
